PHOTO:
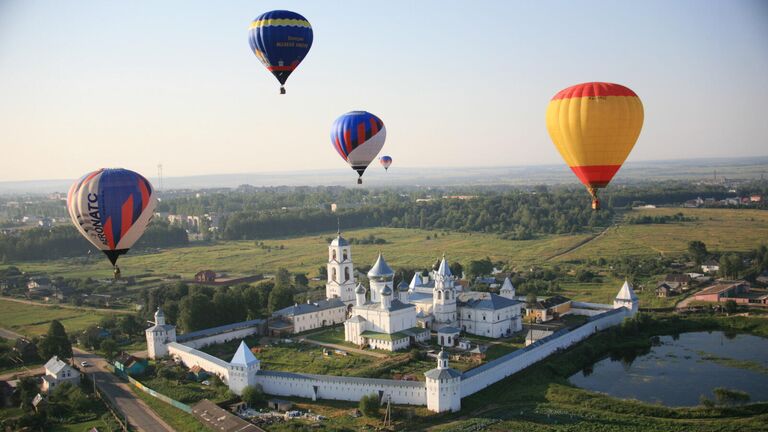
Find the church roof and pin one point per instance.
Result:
(357, 319)
(444, 270)
(626, 292)
(440, 374)
(360, 289)
(339, 241)
(386, 290)
(403, 286)
(442, 355)
(507, 285)
(484, 300)
(394, 305)
(305, 308)
(449, 330)
(415, 280)
(243, 356)
(380, 268)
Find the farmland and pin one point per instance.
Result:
(33, 320)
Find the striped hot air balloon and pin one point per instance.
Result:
(594, 127)
(385, 161)
(280, 39)
(358, 137)
(111, 208)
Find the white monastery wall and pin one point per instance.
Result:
(341, 388)
(483, 376)
(204, 341)
(192, 357)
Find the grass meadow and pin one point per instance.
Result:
(31, 320)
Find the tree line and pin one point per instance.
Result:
(66, 241)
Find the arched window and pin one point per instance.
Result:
(344, 254)
(333, 254)
(333, 275)
(447, 295)
(346, 273)
(439, 295)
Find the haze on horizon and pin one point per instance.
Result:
(89, 84)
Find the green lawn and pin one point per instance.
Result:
(31, 320)
(81, 427)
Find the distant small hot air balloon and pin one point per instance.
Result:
(111, 208)
(280, 39)
(385, 161)
(358, 137)
(594, 127)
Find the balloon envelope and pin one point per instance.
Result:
(385, 161)
(594, 127)
(280, 39)
(358, 137)
(111, 208)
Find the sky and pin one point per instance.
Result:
(90, 84)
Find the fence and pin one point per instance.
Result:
(184, 407)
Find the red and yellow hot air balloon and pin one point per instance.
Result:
(594, 127)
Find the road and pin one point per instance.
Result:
(344, 348)
(139, 415)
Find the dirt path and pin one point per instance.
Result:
(65, 306)
(345, 348)
(579, 244)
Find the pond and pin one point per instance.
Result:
(678, 370)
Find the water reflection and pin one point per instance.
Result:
(678, 369)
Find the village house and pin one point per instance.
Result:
(38, 287)
(205, 276)
(679, 281)
(724, 291)
(667, 289)
(57, 372)
(130, 365)
(710, 266)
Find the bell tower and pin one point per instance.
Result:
(341, 278)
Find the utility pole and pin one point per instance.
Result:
(388, 412)
(160, 177)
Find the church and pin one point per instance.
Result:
(389, 318)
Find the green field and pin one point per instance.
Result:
(404, 248)
(31, 320)
(721, 230)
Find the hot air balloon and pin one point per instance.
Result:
(385, 161)
(111, 208)
(280, 39)
(358, 137)
(594, 127)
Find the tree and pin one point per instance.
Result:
(28, 388)
(253, 395)
(369, 405)
(531, 298)
(731, 265)
(480, 267)
(301, 280)
(456, 268)
(731, 306)
(280, 297)
(195, 312)
(109, 348)
(698, 251)
(129, 324)
(56, 342)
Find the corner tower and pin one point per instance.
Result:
(341, 272)
(627, 298)
(443, 386)
(159, 335)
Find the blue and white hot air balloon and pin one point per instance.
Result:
(280, 39)
(111, 208)
(358, 137)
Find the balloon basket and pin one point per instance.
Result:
(282, 90)
(359, 181)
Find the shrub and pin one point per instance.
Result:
(369, 405)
